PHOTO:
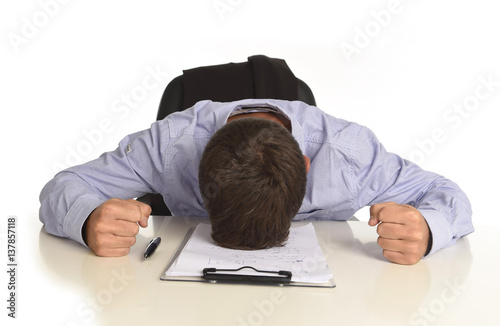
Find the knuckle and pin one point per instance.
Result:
(388, 255)
(413, 248)
(146, 208)
(385, 210)
(100, 226)
(411, 260)
(413, 216)
(418, 235)
(99, 243)
(108, 209)
(100, 252)
(381, 227)
(136, 213)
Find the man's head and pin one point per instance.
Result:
(253, 180)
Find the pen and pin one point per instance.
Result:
(151, 248)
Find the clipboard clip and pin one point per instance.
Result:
(214, 275)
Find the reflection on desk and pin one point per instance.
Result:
(444, 289)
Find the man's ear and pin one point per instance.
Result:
(308, 162)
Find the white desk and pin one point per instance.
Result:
(456, 286)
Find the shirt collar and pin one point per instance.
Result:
(282, 107)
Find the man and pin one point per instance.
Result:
(253, 166)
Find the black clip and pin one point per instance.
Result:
(212, 275)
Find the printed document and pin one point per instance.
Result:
(301, 255)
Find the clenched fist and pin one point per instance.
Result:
(111, 228)
(403, 232)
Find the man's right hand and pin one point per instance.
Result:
(111, 228)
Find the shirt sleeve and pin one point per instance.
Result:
(133, 169)
(380, 176)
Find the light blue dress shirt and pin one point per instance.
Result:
(349, 169)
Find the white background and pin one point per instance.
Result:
(67, 65)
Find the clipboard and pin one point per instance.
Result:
(247, 275)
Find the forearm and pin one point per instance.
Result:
(386, 177)
(66, 202)
(69, 198)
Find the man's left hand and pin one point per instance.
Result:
(403, 232)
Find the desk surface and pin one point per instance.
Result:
(456, 286)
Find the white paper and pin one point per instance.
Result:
(301, 255)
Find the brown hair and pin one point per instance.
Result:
(252, 180)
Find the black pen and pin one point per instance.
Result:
(151, 248)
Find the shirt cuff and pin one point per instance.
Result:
(439, 227)
(76, 217)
